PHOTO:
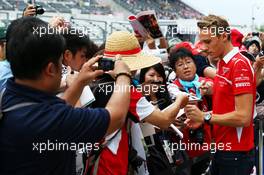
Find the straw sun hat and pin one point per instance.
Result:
(126, 44)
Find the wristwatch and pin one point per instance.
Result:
(207, 117)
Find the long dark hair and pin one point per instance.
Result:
(162, 96)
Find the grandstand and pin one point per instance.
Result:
(170, 9)
(86, 7)
(104, 16)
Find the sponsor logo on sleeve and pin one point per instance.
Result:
(243, 84)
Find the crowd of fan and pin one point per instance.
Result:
(136, 127)
(165, 9)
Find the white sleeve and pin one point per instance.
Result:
(144, 108)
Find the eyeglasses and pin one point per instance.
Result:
(183, 64)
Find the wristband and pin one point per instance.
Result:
(124, 73)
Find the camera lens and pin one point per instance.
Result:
(39, 10)
(255, 33)
(106, 64)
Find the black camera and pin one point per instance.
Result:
(134, 160)
(39, 9)
(106, 64)
(255, 34)
(197, 135)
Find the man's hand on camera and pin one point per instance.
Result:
(89, 71)
(71, 76)
(120, 66)
(29, 11)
